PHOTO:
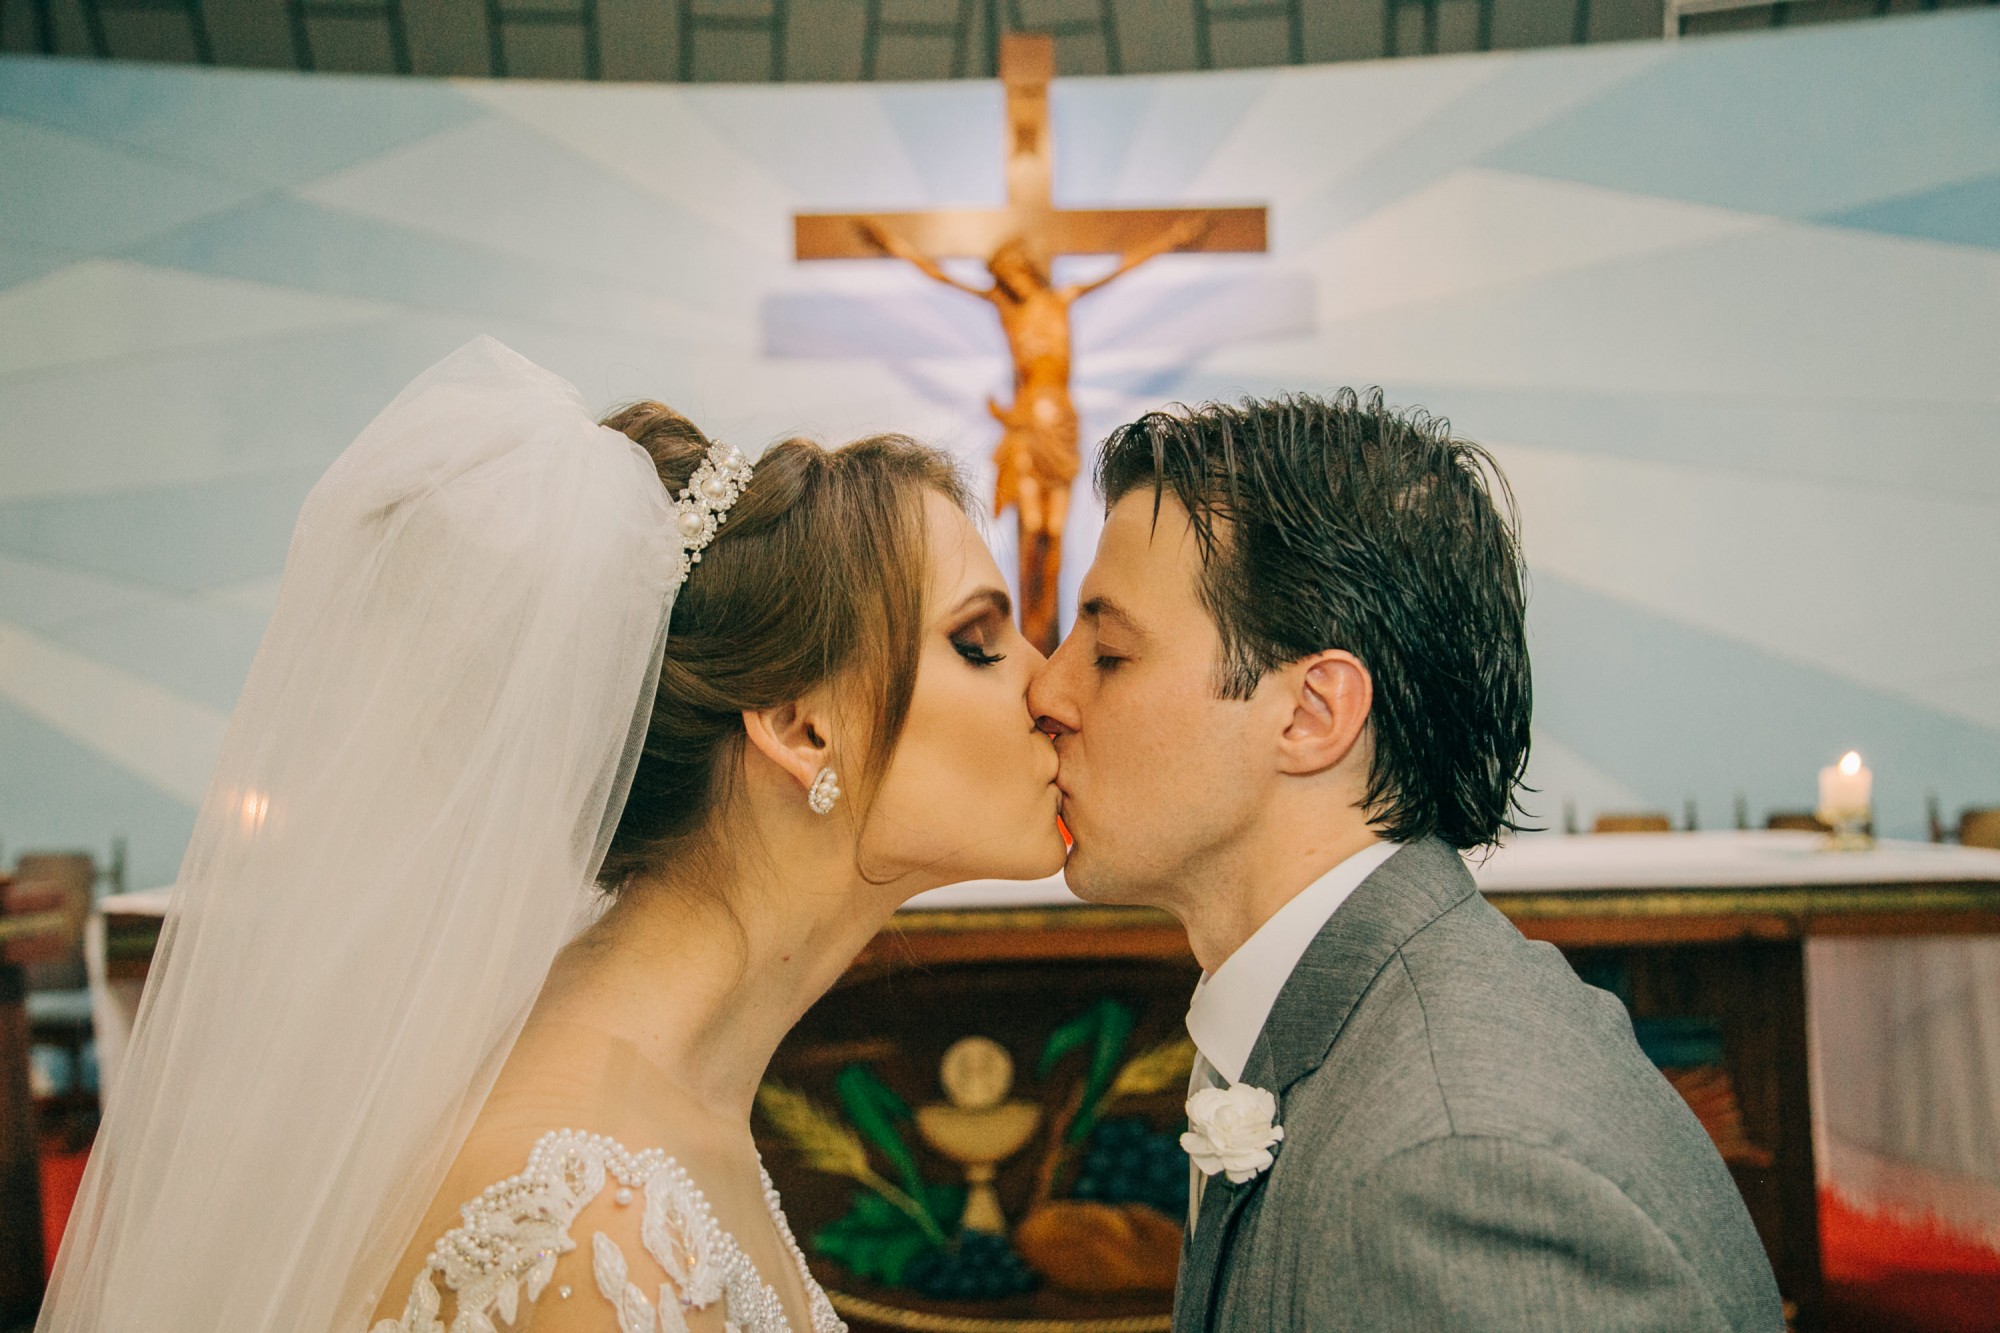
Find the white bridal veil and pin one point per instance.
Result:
(414, 794)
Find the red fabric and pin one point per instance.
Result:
(61, 1174)
(1890, 1276)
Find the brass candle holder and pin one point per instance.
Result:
(979, 1128)
(1848, 830)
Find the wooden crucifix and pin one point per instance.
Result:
(1037, 456)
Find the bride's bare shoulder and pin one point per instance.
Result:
(539, 1167)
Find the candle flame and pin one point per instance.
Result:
(1850, 763)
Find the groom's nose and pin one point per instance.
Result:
(1051, 695)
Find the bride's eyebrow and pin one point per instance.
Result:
(995, 602)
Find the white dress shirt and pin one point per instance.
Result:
(1232, 1003)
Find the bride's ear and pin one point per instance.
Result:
(792, 736)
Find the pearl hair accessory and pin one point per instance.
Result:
(825, 790)
(705, 502)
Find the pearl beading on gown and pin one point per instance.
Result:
(512, 1235)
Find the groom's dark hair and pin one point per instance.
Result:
(1338, 523)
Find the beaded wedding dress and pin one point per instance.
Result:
(505, 1250)
(409, 811)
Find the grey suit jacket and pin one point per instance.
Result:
(1473, 1141)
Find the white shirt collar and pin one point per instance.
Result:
(1232, 1003)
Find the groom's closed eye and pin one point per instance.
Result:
(1107, 651)
(1112, 632)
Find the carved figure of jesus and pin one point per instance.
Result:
(1038, 444)
(1037, 457)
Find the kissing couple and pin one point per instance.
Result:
(580, 758)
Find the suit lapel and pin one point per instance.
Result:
(1404, 894)
(1407, 892)
(1222, 1203)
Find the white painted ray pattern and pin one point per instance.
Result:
(665, 146)
(149, 732)
(110, 309)
(1477, 231)
(1785, 310)
(1558, 775)
(1757, 445)
(462, 186)
(1763, 560)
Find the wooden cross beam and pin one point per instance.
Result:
(1027, 62)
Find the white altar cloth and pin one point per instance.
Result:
(1556, 863)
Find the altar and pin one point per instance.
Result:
(1704, 936)
(988, 995)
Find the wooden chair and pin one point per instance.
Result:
(60, 882)
(1796, 821)
(1645, 821)
(58, 990)
(20, 1148)
(1980, 827)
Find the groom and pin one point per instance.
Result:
(1297, 689)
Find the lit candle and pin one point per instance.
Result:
(1845, 788)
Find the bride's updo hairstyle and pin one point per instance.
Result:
(816, 577)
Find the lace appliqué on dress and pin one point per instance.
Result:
(512, 1235)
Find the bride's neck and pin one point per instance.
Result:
(705, 980)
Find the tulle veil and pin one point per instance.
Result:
(414, 794)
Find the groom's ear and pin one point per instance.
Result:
(792, 736)
(1331, 693)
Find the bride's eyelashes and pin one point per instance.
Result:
(976, 653)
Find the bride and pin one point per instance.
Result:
(578, 760)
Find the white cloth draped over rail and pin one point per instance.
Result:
(1906, 1077)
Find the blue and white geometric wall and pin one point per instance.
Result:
(1728, 311)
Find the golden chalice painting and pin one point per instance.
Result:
(990, 1147)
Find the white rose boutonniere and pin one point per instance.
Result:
(1230, 1130)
